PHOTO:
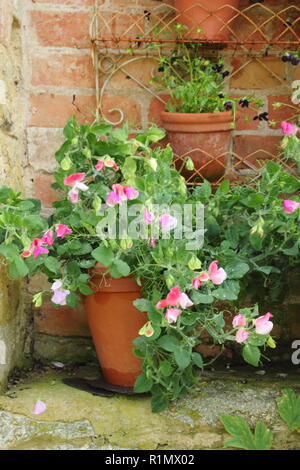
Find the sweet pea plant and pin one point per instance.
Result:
(101, 170)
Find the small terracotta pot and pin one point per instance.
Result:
(205, 137)
(114, 323)
(207, 15)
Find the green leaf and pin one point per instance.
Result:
(251, 354)
(257, 340)
(289, 408)
(197, 360)
(165, 368)
(72, 300)
(119, 269)
(159, 403)
(143, 384)
(10, 251)
(143, 305)
(199, 298)
(104, 255)
(168, 343)
(52, 264)
(236, 269)
(18, 269)
(182, 357)
(243, 438)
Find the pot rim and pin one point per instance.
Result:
(222, 116)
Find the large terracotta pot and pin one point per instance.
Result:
(114, 323)
(205, 137)
(207, 15)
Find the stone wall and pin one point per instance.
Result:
(15, 324)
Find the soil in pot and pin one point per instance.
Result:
(205, 137)
(212, 16)
(114, 323)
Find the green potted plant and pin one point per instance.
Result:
(175, 285)
(199, 115)
(206, 19)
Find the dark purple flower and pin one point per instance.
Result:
(244, 103)
(295, 60)
(286, 57)
(221, 95)
(262, 117)
(228, 106)
(225, 74)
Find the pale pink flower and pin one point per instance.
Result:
(73, 195)
(290, 206)
(153, 242)
(241, 335)
(39, 408)
(288, 128)
(148, 217)
(262, 325)
(74, 178)
(62, 230)
(196, 283)
(239, 320)
(167, 221)
(59, 295)
(172, 314)
(185, 301)
(216, 275)
(47, 238)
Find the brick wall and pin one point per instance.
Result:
(59, 81)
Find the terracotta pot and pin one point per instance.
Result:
(114, 323)
(207, 15)
(205, 137)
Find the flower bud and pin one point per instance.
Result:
(66, 163)
(189, 164)
(271, 343)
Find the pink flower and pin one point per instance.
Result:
(241, 335)
(36, 247)
(239, 320)
(172, 314)
(216, 275)
(131, 193)
(73, 179)
(100, 165)
(148, 217)
(168, 222)
(62, 230)
(290, 206)
(39, 408)
(121, 193)
(153, 242)
(175, 298)
(112, 199)
(47, 238)
(111, 164)
(26, 254)
(59, 295)
(39, 250)
(203, 277)
(262, 325)
(288, 128)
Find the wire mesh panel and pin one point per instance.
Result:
(251, 37)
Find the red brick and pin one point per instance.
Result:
(283, 113)
(254, 75)
(49, 110)
(63, 70)
(255, 149)
(130, 107)
(139, 68)
(61, 321)
(42, 189)
(61, 29)
(155, 109)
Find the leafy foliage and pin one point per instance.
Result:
(243, 437)
(289, 408)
